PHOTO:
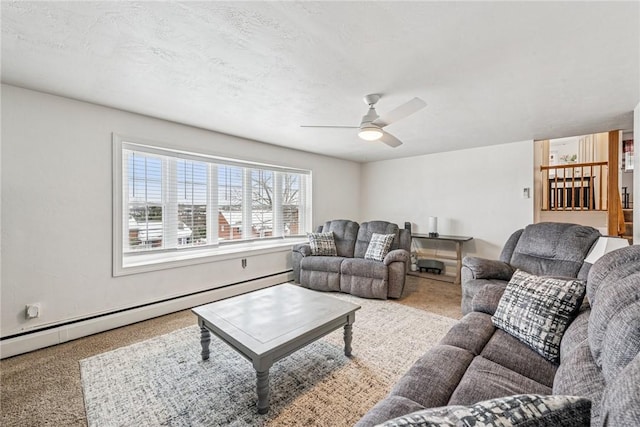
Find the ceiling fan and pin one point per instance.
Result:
(371, 126)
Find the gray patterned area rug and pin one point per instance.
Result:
(164, 382)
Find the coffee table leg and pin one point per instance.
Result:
(205, 339)
(348, 336)
(263, 391)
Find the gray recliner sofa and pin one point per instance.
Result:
(599, 356)
(349, 272)
(544, 249)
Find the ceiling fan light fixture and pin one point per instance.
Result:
(370, 133)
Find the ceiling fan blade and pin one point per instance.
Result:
(400, 112)
(337, 127)
(390, 140)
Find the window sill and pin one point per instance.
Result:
(159, 261)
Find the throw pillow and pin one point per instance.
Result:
(322, 244)
(521, 410)
(537, 310)
(379, 246)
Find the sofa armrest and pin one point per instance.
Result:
(481, 268)
(488, 298)
(302, 248)
(396, 255)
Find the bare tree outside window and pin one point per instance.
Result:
(262, 184)
(230, 202)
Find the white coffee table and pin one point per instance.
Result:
(266, 325)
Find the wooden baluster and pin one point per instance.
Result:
(582, 188)
(592, 201)
(573, 189)
(600, 191)
(556, 191)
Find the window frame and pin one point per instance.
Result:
(125, 263)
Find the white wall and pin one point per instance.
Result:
(56, 208)
(475, 192)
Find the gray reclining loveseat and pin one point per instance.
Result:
(349, 271)
(546, 248)
(599, 361)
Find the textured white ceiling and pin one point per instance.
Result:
(490, 72)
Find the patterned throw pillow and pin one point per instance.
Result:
(537, 310)
(379, 246)
(521, 410)
(322, 244)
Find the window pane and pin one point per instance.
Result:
(144, 202)
(291, 204)
(261, 203)
(191, 191)
(230, 202)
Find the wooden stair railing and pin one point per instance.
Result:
(574, 187)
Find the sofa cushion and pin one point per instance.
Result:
(366, 231)
(434, 377)
(321, 273)
(345, 233)
(553, 248)
(537, 310)
(322, 244)
(388, 408)
(575, 333)
(322, 263)
(511, 353)
(485, 379)
(364, 287)
(379, 246)
(471, 333)
(614, 294)
(610, 268)
(578, 375)
(364, 278)
(620, 404)
(621, 343)
(364, 268)
(520, 410)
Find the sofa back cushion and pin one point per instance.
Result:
(613, 290)
(620, 405)
(366, 232)
(553, 249)
(345, 233)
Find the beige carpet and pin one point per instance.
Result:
(43, 387)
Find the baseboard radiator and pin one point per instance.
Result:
(81, 328)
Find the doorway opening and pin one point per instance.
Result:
(586, 179)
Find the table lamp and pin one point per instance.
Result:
(433, 226)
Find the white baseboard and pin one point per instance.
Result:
(41, 339)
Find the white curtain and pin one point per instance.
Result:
(587, 149)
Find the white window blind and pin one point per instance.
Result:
(176, 200)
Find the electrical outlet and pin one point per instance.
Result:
(526, 193)
(32, 311)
